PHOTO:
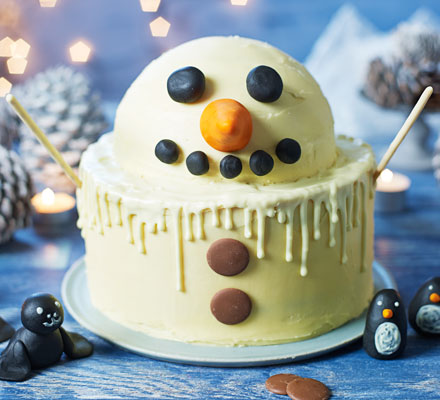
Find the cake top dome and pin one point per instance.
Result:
(227, 109)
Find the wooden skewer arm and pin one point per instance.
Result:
(418, 108)
(30, 123)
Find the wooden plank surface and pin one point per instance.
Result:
(407, 243)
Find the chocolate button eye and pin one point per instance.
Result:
(261, 163)
(186, 85)
(264, 84)
(288, 151)
(230, 167)
(197, 163)
(228, 257)
(231, 306)
(167, 151)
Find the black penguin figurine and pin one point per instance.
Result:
(6, 330)
(386, 326)
(424, 309)
(41, 341)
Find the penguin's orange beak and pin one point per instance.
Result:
(387, 313)
(434, 297)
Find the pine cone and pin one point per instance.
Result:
(62, 104)
(402, 80)
(8, 125)
(15, 194)
(381, 85)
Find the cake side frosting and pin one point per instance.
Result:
(310, 246)
(147, 113)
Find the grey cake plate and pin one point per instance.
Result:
(77, 300)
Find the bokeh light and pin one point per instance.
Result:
(5, 87)
(5, 47)
(16, 65)
(239, 2)
(48, 3)
(160, 27)
(150, 5)
(80, 52)
(20, 48)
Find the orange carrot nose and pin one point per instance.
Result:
(387, 313)
(434, 297)
(226, 125)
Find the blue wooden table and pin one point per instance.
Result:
(407, 243)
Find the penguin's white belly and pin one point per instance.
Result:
(428, 318)
(387, 338)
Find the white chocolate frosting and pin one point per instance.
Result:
(156, 202)
(148, 225)
(146, 244)
(147, 114)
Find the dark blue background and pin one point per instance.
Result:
(123, 45)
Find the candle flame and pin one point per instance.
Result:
(48, 197)
(386, 175)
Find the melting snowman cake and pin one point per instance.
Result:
(222, 209)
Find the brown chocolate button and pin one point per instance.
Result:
(278, 383)
(228, 257)
(307, 389)
(231, 306)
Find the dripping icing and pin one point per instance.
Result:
(345, 204)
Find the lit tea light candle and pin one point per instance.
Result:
(391, 188)
(53, 209)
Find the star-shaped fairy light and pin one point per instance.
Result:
(5, 87)
(5, 47)
(150, 5)
(80, 52)
(160, 27)
(16, 65)
(239, 2)
(20, 48)
(48, 3)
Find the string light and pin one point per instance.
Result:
(20, 48)
(80, 52)
(48, 3)
(150, 5)
(160, 27)
(5, 47)
(239, 2)
(16, 65)
(5, 87)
